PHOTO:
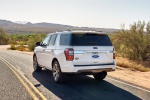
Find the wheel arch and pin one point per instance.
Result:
(34, 54)
(59, 62)
(54, 59)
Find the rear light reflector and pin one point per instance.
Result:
(114, 55)
(69, 53)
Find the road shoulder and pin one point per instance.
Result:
(133, 77)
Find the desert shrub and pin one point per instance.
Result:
(22, 48)
(33, 39)
(133, 43)
(12, 42)
(12, 47)
(21, 43)
(4, 38)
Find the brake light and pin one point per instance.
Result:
(69, 53)
(114, 55)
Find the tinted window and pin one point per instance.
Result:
(90, 40)
(46, 41)
(64, 39)
(52, 40)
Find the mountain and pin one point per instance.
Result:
(28, 27)
(21, 22)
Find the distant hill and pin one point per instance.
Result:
(27, 27)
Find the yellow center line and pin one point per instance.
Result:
(22, 82)
(14, 70)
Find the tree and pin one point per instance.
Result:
(35, 38)
(4, 38)
(135, 42)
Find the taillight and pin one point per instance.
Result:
(114, 55)
(69, 53)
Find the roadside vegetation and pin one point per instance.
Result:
(33, 39)
(4, 38)
(132, 64)
(133, 44)
(25, 42)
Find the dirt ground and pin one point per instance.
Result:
(4, 47)
(125, 74)
(135, 77)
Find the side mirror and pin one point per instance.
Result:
(38, 43)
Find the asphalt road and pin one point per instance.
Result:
(75, 87)
(10, 87)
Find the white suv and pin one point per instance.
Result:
(75, 52)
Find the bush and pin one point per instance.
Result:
(21, 43)
(133, 43)
(12, 47)
(22, 48)
(12, 42)
(33, 39)
(4, 38)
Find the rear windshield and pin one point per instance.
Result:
(88, 39)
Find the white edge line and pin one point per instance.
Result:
(129, 84)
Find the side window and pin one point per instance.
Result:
(53, 38)
(46, 41)
(64, 39)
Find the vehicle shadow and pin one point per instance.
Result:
(82, 88)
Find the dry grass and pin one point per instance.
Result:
(22, 48)
(122, 62)
(18, 47)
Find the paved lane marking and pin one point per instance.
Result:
(22, 82)
(129, 84)
(33, 87)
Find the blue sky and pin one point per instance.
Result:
(91, 13)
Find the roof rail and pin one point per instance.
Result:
(69, 29)
(58, 30)
(99, 31)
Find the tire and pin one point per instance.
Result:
(100, 76)
(36, 66)
(57, 74)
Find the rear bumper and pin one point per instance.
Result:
(89, 69)
(94, 70)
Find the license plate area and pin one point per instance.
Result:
(95, 55)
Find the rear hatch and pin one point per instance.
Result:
(92, 49)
